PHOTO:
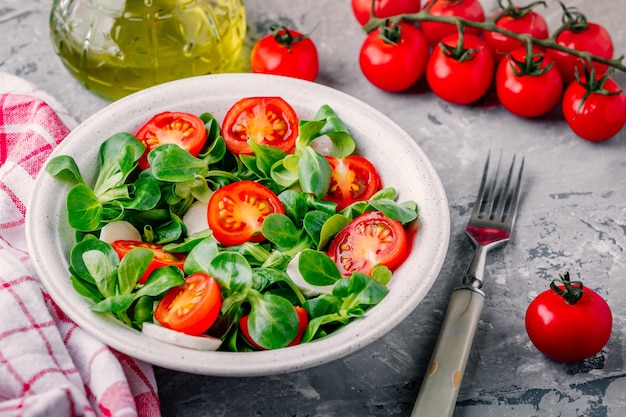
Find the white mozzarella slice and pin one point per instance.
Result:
(173, 337)
(195, 218)
(307, 289)
(119, 230)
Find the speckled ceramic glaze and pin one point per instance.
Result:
(401, 163)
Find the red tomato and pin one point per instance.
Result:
(460, 81)
(192, 307)
(595, 116)
(370, 239)
(303, 322)
(236, 212)
(594, 39)
(161, 257)
(515, 20)
(354, 178)
(466, 9)
(269, 121)
(528, 94)
(183, 129)
(383, 8)
(565, 329)
(397, 63)
(285, 52)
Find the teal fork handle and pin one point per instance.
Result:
(441, 384)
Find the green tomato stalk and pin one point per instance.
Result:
(571, 292)
(425, 15)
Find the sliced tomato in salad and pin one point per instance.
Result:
(192, 307)
(183, 129)
(369, 240)
(303, 322)
(269, 121)
(236, 212)
(354, 178)
(161, 257)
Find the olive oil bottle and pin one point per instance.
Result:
(117, 47)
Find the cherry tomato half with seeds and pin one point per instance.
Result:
(595, 116)
(370, 239)
(354, 178)
(183, 129)
(285, 52)
(460, 80)
(466, 9)
(396, 62)
(569, 329)
(303, 322)
(191, 308)
(269, 121)
(529, 22)
(161, 257)
(383, 8)
(236, 212)
(528, 95)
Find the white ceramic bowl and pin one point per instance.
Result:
(401, 164)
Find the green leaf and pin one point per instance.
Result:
(102, 270)
(313, 223)
(331, 227)
(231, 270)
(161, 280)
(359, 290)
(327, 123)
(86, 289)
(314, 172)
(266, 156)
(200, 257)
(317, 268)
(280, 230)
(394, 211)
(132, 267)
(114, 304)
(118, 157)
(171, 163)
(84, 209)
(77, 263)
(273, 322)
(64, 167)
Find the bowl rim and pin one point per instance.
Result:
(433, 236)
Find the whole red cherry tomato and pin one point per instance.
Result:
(383, 8)
(460, 74)
(595, 111)
(522, 20)
(394, 58)
(183, 129)
(370, 239)
(576, 33)
(192, 307)
(236, 212)
(528, 86)
(569, 322)
(466, 9)
(285, 52)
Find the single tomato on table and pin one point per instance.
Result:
(191, 308)
(369, 240)
(394, 57)
(269, 121)
(569, 322)
(595, 109)
(460, 73)
(523, 20)
(354, 178)
(579, 34)
(466, 9)
(285, 52)
(362, 9)
(183, 129)
(161, 257)
(528, 85)
(236, 212)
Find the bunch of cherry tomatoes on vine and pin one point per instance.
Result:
(464, 55)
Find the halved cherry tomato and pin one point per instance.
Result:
(161, 257)
(236, 212)
(354, 178)
(192, 307)
(303, 322)
(269, 121)
(183, 129)
(370, 239)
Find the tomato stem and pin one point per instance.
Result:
(283, 36)
(425, 15)
(516, 12)
(571, 292)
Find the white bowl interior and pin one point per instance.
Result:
(401, 164)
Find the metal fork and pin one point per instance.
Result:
(489, 227)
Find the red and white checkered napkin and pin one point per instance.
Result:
(48, 365)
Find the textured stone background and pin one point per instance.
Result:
(573, 218)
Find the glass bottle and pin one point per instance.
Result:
(117, 47)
